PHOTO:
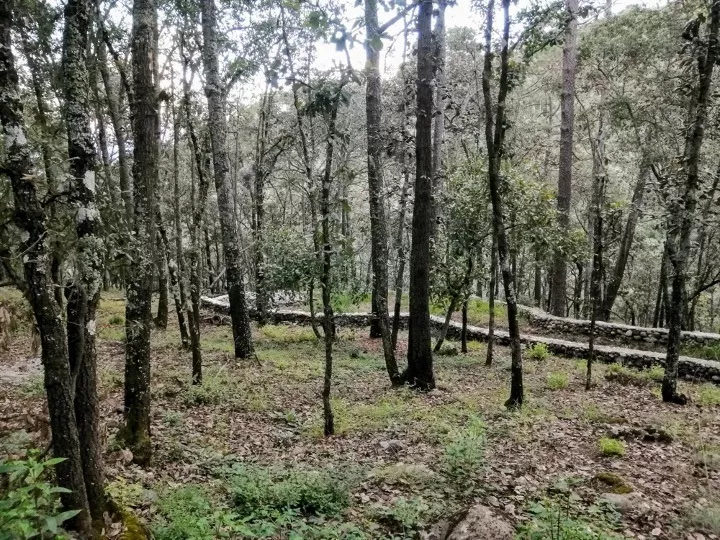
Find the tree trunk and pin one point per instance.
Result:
(161, 263)
(682, 212)
(378, 222)
(419, 372)
(494, 140)
(138, 311)
(218, 133)
(567, 116)
(491, 302)
(438, 169)
(29, 217)
(90, 245)
(537, 285)
(613, 286)
(463, 332)
(172, 267)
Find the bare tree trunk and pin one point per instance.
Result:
(378, 222)
(29, 216)
(463, 332)
(217, 125)
(491, 303)
(494, 140)
(161, 318)
(682, 212)
(90, 245)
(419, 372)
(138, 311)
(567, 116)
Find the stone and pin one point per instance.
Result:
(392, 445)
(624, 502)
(479, 522)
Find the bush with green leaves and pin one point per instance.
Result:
(465, 450)
(405, 516)
(633, 377)
(563, 519)
(558, 380)
(611, 447)
(29, 502)
(538, 352)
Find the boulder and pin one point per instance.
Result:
(479, 522)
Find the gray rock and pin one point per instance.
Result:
(478, 523)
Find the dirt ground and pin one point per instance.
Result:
(402, 446)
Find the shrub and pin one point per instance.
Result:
(116, 320)
(558, 380)
(465, 450)
(562, 520)
(186, 514)
(28, 501)
(124, 493)
(261, 491)
(632, 377)
(283, 333)
(614, 482)
(538, 352)
(215, 388)
(706, 518)
(448, 349)
(611, 447)
(709, 395)
(407, 516)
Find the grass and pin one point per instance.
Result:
(633, 377)
(706, 517)
(558, 380)
(611, 447)
(708, 395)
(538, 352)
(709, 352)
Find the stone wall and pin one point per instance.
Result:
(689, 368)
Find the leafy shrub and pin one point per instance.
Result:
(709, 395)
(611, 447)
(465, 450)
(558, 380)
(562, 520)
(288, 334)
(406, 516)
(260, 491)
(124, 493)
(538, 352)
(28, 501)
(187, 513)
(116, 320)
(448, 349)
(633, 377)
(215, 388)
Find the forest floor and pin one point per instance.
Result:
(243, 455)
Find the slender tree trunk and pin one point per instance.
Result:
(162, 311)
(138, 311)
(419, 372)
(494, 140)
(90, 246)
(463, 332)
(378, 222)
(491, 303)
(29, 217)
(172, 267)
(613, 286)
(218, 133)
(438, 170)
(567, 116)
(537, 284)
(682, 213)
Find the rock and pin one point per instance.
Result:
(624, 502)
(392, 445)
(614, 483)
(478, 523)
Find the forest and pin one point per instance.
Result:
(381, 269)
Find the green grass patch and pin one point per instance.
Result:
(464, 452)
(633, 377)
(283, 333)
(708, 395)
(558, 380)
(611, 447)
(538, 352)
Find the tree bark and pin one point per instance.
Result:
(494, 140)
(217, 125)
(419, 372)
(138, 311)
(378, 223)
(491, 303)
(682, 214)
(567, 118)
(30, 218)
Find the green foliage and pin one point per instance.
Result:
(405, 516)
(709, 352)
(288, 334)
(116, 320)
(465, 450)
(538, 352)
(562, 519)
(706, 517)
(29, 501)
(558, 380)
(709, 395)
(187, 513)
(290, 263)
(613, 481)
(262, 491)
(611, 447)
(124, 493)
(215, 388)
(633, 377)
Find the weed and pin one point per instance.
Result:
(465, 450)
(558, 380)
(116, 320)
(288, 334)
(706, 518)
(406, 516)
(615, 482)
(124, 493)
(215, 388)
(34, 386)
(554, 519)
(404, 474)
(632, 377)
(187, 514)
(709, 395)
(538, 352)
(611, 447)
(261, 491)
(173, 419)
(448, 349)
(709, 352)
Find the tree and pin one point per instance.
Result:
(378, 224)
(138, 311)
(567, 116)
(85, 293)
(30, 218)
(681, 214)
(419, 372)
(217, 125)
(494, 140)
